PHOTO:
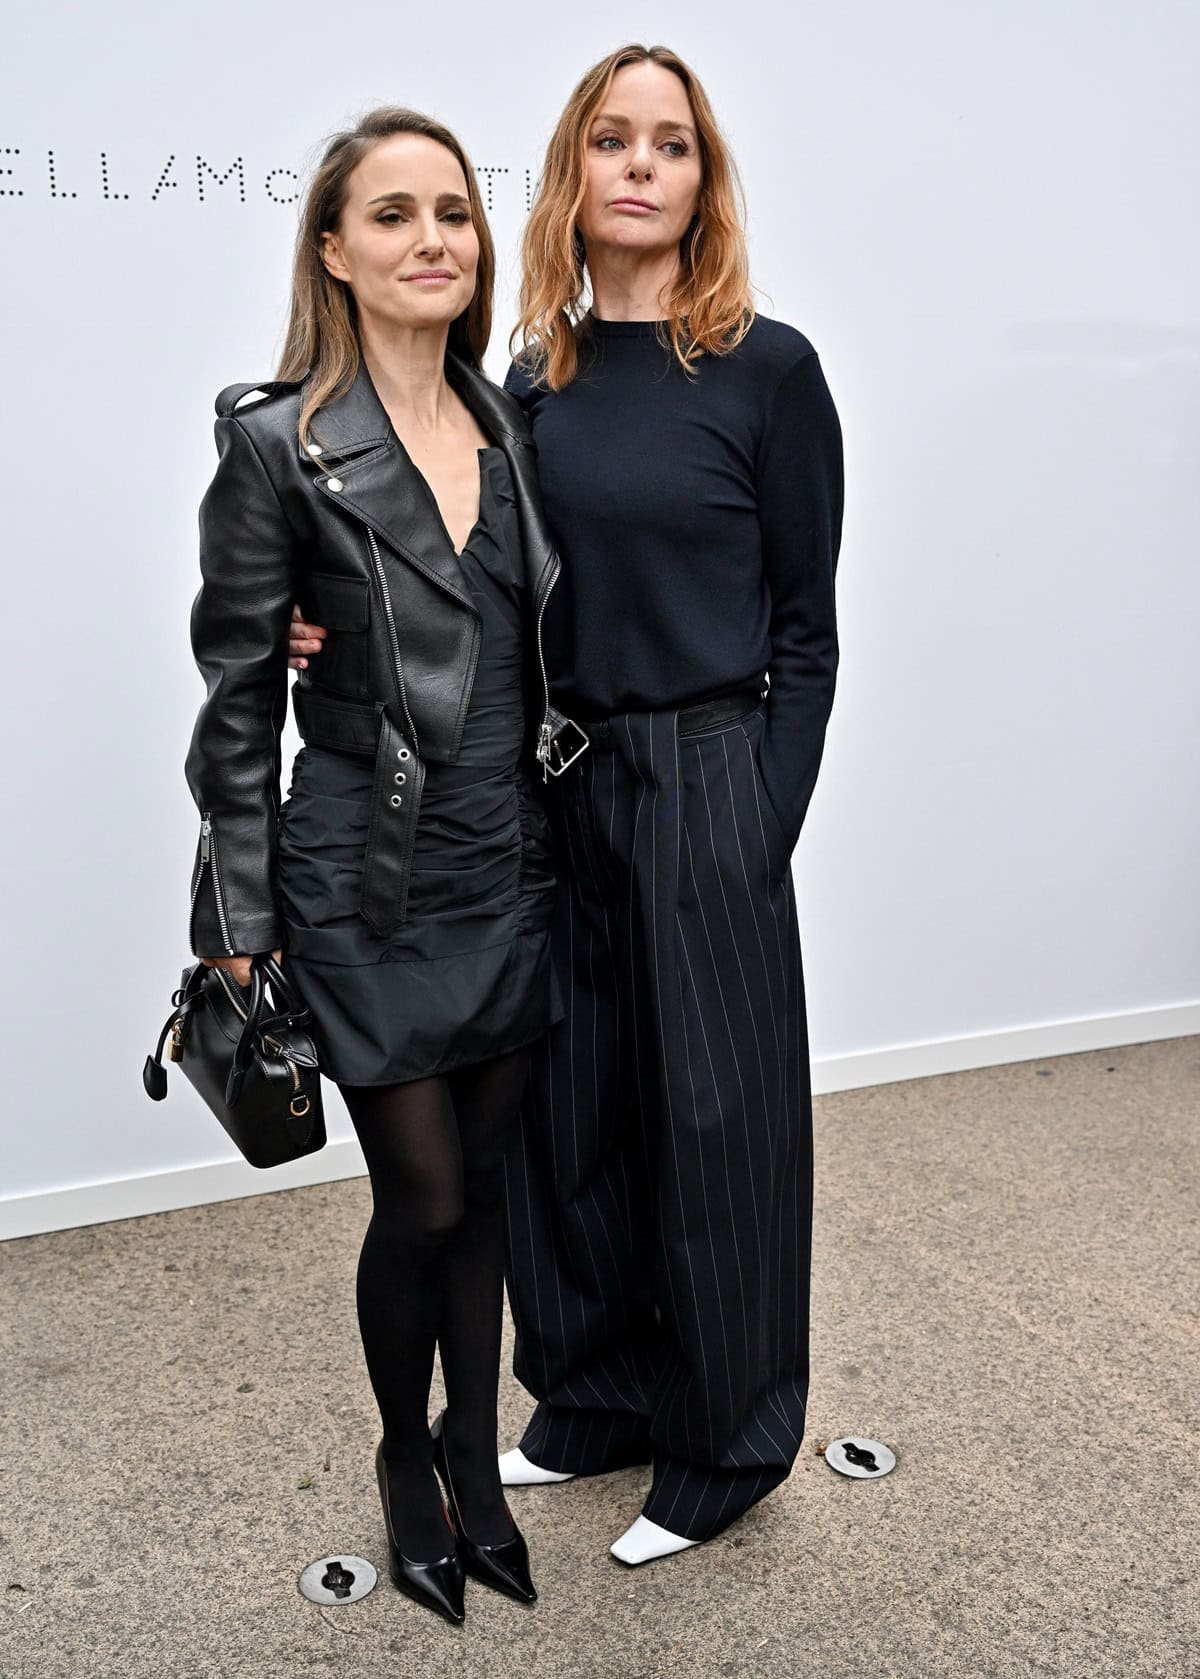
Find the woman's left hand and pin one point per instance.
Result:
(238, 966)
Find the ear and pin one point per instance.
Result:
(331, 256)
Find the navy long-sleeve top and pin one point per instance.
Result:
(698, 519)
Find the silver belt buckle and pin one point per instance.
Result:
(553, 757)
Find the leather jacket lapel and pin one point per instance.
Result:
(351, 423)
(511, 431)
(542, 564)
(378, 483)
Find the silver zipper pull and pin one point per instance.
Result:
(205, 839)
(543, 751)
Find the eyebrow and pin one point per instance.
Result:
(410, 198)
(677, 127)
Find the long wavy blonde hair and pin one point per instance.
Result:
(322, 333)
(709, 308)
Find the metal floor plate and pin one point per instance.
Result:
(338, 1579)
(865, 1460)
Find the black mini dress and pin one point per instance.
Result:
(468, 976)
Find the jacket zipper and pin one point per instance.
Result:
(197, 877)
(381, 575)
(208, 854)
(544, 733)
(544, 736)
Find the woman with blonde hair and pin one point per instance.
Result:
(660, 1190)
(384, 483)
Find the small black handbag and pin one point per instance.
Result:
(256, 1070)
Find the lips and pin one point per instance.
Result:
(632, 204)
(430, 274)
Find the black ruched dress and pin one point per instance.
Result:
(468, 975)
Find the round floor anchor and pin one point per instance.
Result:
(337, 1579)
(866, 1460)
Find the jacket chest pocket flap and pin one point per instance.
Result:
(343, 606)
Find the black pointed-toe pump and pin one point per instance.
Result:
(504, 1567)
(435, 1585)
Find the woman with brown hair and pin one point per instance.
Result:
(660, 1190)
(386, 485)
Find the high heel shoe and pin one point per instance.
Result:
(435, 1585)
(504, 1567)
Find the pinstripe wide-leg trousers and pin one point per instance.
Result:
(660, 1186)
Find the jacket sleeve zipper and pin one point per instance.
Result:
(208, 856)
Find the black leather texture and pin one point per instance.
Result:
(254, 1065)
(351, 531)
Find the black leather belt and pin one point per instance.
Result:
(691, 720)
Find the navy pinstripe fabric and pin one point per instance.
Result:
(660, 1190)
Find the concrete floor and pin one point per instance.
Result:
(1004, 1289)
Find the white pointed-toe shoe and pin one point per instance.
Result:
(645, 1540)
(517, 1471)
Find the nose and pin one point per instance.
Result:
(429, 236)
(641, 162)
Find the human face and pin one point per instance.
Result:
(643, 165)
(405, 244)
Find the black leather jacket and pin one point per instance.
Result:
(355, 537)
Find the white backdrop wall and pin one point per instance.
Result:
(983, 216)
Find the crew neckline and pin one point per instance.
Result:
(624, 329)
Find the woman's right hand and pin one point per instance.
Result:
(238, 966)
(303, 638)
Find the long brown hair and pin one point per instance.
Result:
(709, 308)
(322, 333)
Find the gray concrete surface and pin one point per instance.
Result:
(1004, 1289)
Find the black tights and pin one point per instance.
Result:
(431, 1274)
